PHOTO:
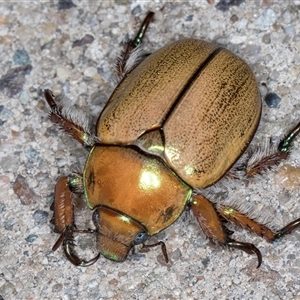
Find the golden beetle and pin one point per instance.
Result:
(177, 122)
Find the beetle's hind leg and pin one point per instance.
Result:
(262, 159)
(211, 224)
(70, 121)
(131, 54)
(63, 219)
(241, 219)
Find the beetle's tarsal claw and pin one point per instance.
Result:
(50, 98)
(73, 257)
(67, 239)
(248, 248)
(287, 229)
(141, 33)
(285, 144)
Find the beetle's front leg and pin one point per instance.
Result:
(69, 121)
(212, 226)
(63, 219)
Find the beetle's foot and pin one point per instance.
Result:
(141, 33)
(285, 144)
(287, 229)
(163, 248)
(67, 239)
(72, 256)
(248, 248)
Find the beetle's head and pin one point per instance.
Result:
(117, 233)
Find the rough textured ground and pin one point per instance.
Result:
(36, 52)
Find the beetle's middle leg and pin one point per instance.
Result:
(63, 219)
(260, 161)
(211, 224)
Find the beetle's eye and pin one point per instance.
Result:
(96, 218)
(140, 238)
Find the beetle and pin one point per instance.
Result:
(177, 122)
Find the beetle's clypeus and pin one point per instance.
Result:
(175, 124)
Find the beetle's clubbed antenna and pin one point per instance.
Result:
(70, 120)
(163, 249)
(132, 53)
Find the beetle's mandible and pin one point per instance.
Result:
(177, 122)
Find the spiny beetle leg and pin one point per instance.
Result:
(240, 219)
(130, 56)
(274, 158)
(211, 224)
(141, 33)
(66, 123)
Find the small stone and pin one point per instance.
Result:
(238, 39)
(56, 89)
(12, 82)
(252, 50)
(87, 39)
(40, 216)
(224, 5)
(266, 39)
(272, 100)
(175, 255)
(189, 18)
(114, 282)
(8, 224)
(24, 97)
(31, 238)
(136, 10)
(65, 4)
(90, 72)
(2, 207)
(21, 57)
(289, 30)
(23, 191)
(57, 288)
(63, 73)
(234, 18)
(268, 18)
(288, 177)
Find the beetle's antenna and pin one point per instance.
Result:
(163, 248)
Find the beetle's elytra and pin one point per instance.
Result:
(175, 124)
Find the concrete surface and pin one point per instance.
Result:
(36, 52)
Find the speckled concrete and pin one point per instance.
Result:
(36, 52)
